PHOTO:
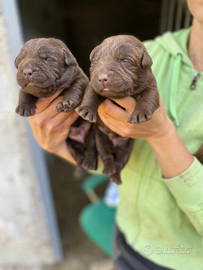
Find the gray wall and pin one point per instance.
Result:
(28, 232)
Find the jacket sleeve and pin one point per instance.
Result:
(187, 188)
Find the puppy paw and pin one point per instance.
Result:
(86, 113)
(115, 178)
(25, 110)
(65, 106)
(137, 118)
(109, 168)
(90, 163)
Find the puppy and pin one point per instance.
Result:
(46, 65)
(120, 67)
(81, 143)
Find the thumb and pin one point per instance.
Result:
(43, 103)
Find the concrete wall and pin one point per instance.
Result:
(24, 230)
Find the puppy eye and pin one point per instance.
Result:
(46, 58)
(125, 61)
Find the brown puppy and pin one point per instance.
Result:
(46, 65)
(120, 67)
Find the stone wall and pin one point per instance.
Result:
(24, 231)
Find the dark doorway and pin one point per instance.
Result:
(83, 24)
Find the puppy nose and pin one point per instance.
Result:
(103, 78)
(27, 72)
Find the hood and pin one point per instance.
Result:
(176, 45)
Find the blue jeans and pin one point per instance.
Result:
(125, 258)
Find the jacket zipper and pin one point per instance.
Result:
(192, 87)
(194, 81)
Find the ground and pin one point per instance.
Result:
(79, 252)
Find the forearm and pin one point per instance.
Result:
(172, 155)
(184, 173)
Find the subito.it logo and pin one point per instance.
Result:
(147, 249)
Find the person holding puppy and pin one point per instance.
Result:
(160, 214)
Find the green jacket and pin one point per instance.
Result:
(162, 219)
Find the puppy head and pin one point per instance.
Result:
(41, 64)
(120, 66)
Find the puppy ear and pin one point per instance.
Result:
(20, 56)
(146, 60)
(69, 59)
(16, 62)
(93, 53)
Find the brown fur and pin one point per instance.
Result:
(126, 65)
(120, 67)
(44, 67)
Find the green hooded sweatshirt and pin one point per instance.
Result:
(162, 219)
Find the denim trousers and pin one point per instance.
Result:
(125, 258)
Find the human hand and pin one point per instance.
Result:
(51, 128)
(116, 119)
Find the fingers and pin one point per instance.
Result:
(114, 124)
(128, 103)
(43, 103)
(52, 132)
(52, 117)
(48, 118)
(107, 108)
(113, 116)
(49, 127)
(49, 111)
(63, 120)
(58, 126)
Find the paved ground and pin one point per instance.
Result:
(79, 252)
